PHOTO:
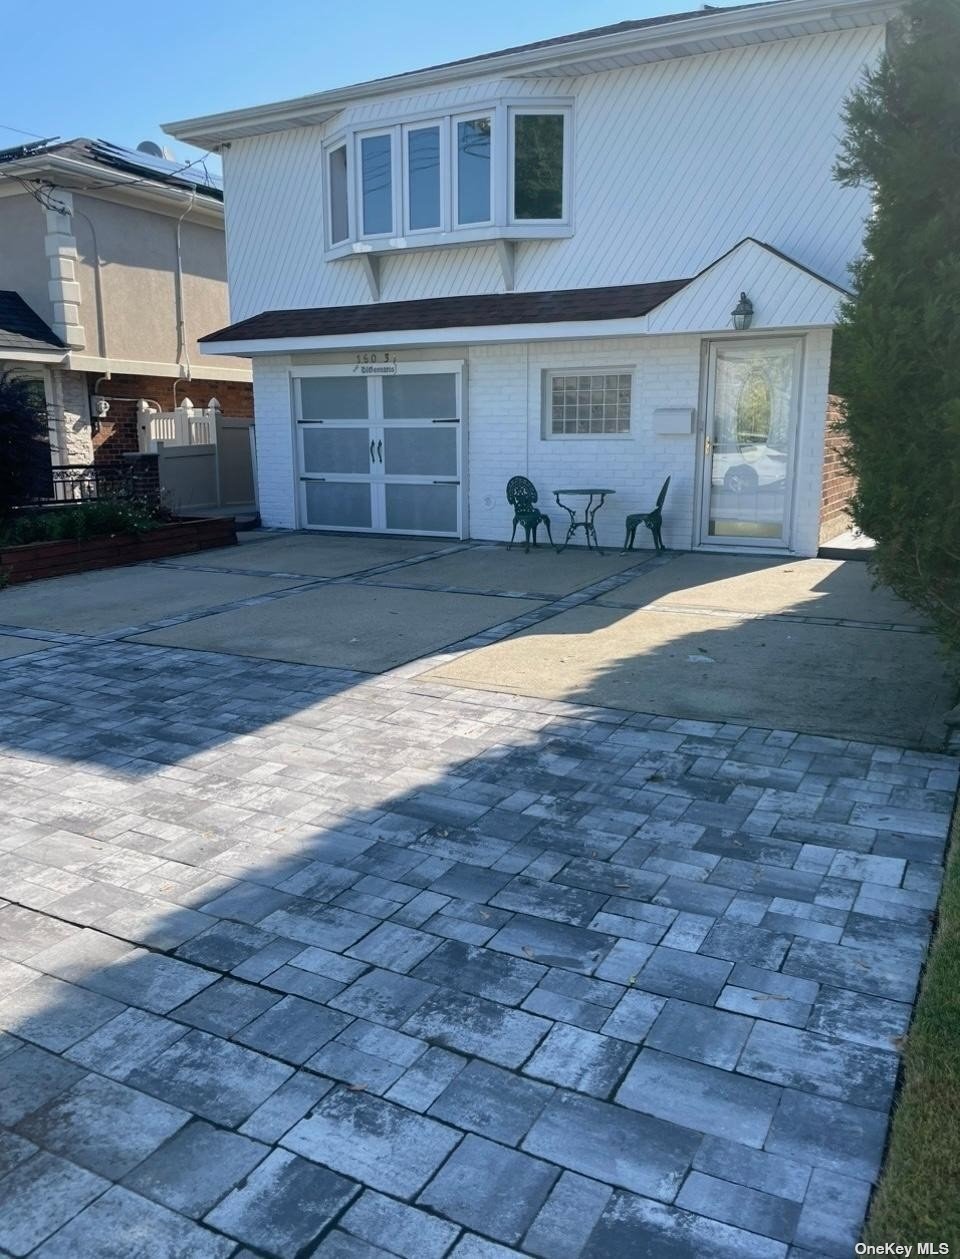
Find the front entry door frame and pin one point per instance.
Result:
(376, 426)
(703, 539)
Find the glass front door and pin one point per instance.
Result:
(751, 408)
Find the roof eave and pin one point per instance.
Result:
(211, 131)
(75, 174)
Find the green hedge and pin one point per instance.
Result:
(897, 347)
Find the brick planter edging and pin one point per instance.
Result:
(37, 560)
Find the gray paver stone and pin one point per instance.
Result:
(41, 1195)
(490, 1188)
(196, 1168)
(372, 1140)
(103, 1126)
(492, 1102)
(706, 1098)
(581, 1060)
(568, 1217)
(610, 1143)
(402, 1229)
(471, 1025)
(283, 1205)
(697, 1032)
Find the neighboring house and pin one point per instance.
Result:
(112, 263)
(529, 262)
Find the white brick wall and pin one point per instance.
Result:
(504, 435)
(276, 460)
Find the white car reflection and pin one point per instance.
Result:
(742, 467)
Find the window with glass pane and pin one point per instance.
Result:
(590, 404)
(337, 170)
(423, 177)
(376, 179)
(473, 171)
(538, 166)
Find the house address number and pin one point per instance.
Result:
(376, 364)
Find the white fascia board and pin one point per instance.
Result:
(212, 130)
(134, 367)
(10, 357)
(499, 334)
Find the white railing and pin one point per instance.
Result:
(186, 426)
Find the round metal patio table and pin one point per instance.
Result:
(589, 511)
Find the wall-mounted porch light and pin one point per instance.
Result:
(742, 313)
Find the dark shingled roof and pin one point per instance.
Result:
(22, 328)
(623, 301)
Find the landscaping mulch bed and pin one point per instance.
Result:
(36, 560)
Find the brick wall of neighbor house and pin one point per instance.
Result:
(838, 483)
(116, 435)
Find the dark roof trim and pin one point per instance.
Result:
(21, 328)
(624, 301)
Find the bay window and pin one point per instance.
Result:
(473, 170)
(376, 184)
(501, 171)
(338, 208)
(537, 146)
(424, 199)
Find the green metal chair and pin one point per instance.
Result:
(652, 519)
(522, 495)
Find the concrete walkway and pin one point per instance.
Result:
(305, 960)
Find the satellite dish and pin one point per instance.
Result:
(155, 150)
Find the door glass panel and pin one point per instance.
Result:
(422, 508)
(750, 470)
(538, 166)
(336, 450)
(376, 177)
(473, 171)
(333, 398)
(420, 451)
(423, 177)
(343, 505)
(420, 397)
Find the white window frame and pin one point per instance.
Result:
(501, 225)
(546, 421)
(424, 124)
(358, 139)
(513, 113)
(337, 142)
(473, 116)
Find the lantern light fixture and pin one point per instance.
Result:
(742, 313)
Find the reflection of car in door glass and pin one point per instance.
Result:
(741, 467)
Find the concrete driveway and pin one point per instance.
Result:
(308, 952)
(805, 645)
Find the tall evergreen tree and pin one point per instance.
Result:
(897, 347)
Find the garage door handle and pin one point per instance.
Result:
(380, 451)
(446, 482)
(371, 451)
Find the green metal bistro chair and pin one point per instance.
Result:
(522, 495)
(652, 519)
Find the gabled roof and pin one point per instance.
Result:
(147, 169)
(669, 35)
(623, 301)
(21, 328)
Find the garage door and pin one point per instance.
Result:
(381, 453)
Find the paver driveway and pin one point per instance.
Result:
(298, 960)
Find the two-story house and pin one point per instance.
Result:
(112, 263)
(596, 261)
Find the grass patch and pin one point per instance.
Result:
(918, 1198)
(96, 519)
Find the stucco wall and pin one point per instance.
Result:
(504, 434)
(23, 263)
(137, 260)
